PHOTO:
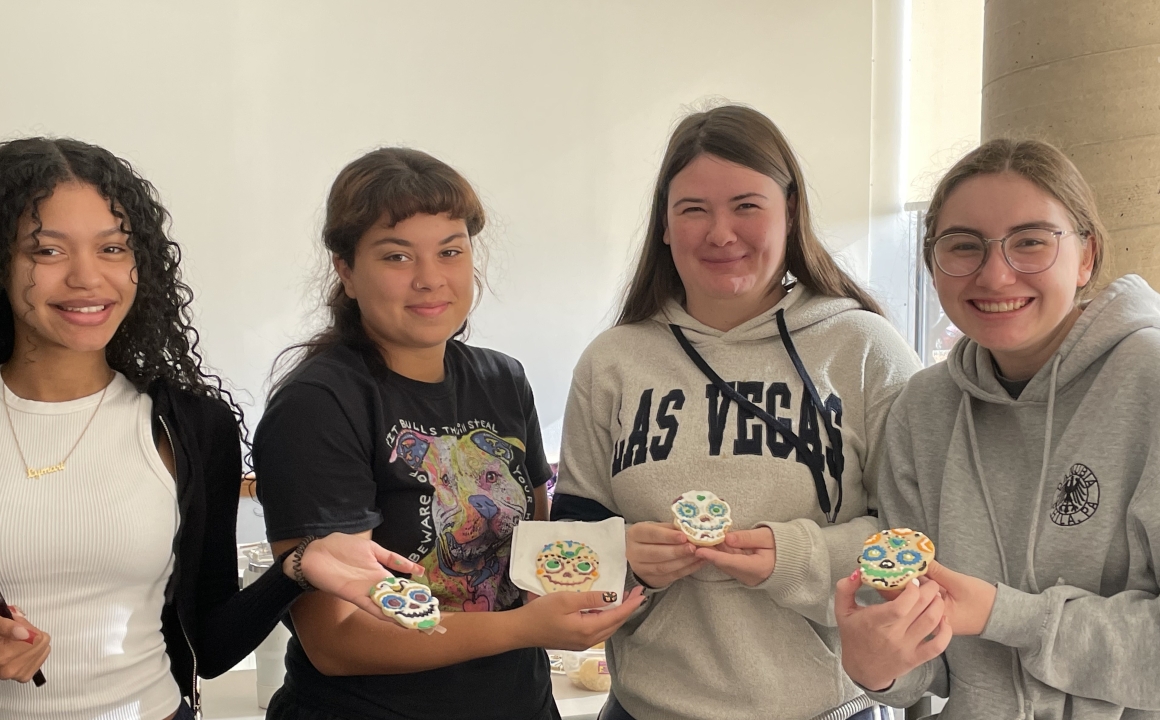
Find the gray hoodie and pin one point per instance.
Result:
(643, 425)
(1054, 496)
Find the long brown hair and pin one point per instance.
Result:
(397, 183)
(1041, 163)
(740, 135)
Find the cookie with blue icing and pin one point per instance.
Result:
(892, 558)
(407, 602)
(703, 517)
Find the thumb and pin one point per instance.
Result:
(14, 630)
(941, 574)
(844, 592)
(757, 538)
(395, 561)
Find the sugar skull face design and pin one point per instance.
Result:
(892, 558)
(703, 517)
(566, 565)
(407, 602)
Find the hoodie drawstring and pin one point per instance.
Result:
(1031, 581)
(1017, 675)
(1016, 666)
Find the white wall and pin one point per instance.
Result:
(243, 112)
(946, 90)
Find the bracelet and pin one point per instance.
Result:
(297, 563)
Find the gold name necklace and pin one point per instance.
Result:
(34, 473)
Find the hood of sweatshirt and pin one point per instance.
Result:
(1124, 307)
(802, 307)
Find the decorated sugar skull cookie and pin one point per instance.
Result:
(892, 558)
(567, 565)
(407, 602)
(702, 516)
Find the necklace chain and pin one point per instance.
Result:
(34, 473)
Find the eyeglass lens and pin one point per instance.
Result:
(1028, 251)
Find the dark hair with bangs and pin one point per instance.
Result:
(396, 184)
(156, 341)
(741, 135)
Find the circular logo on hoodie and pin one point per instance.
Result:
(1076, 498)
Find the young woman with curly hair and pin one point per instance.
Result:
(120, 459)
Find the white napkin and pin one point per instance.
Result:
(606, 538)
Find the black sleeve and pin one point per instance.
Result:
(539, 471)
(574, 507)
(230, 623)
(313, 462)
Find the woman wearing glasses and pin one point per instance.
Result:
(1031, 457)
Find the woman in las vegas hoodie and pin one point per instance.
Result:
(1031, 457)
(786, 434)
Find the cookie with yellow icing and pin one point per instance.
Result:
(567, 566)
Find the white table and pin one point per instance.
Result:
(233, 697)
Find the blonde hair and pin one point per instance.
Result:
(1041, 163)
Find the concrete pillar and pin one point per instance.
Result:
(1084, 75)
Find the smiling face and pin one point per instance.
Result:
(413, 281)
(72, 282)
(726, 227)
(1022, 319)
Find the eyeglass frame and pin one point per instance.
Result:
(1059, 235)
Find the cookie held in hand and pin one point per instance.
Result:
(567, 566)
(703, 517)
(892, 558)
(407, 602)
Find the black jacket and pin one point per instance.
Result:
(208, 623)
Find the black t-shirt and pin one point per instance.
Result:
(442, 473)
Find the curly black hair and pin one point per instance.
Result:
(157, 340)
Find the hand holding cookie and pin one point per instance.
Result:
(968, 600)
(659, 554)
(748, 556)
(881, 643)
(566, 621)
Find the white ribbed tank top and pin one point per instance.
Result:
(86, 554)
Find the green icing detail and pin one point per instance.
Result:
(700, 497)
(875, 571)
(426, 624)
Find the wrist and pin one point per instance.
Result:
(518, 628)
(292, 563)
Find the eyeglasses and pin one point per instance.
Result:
(1029, 251)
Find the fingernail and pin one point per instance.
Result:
(609, 597)
(916, 583)
(16, 611)
(855, 574)
(29, 636)
(420, 572)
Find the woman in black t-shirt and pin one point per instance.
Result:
(390, 427)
